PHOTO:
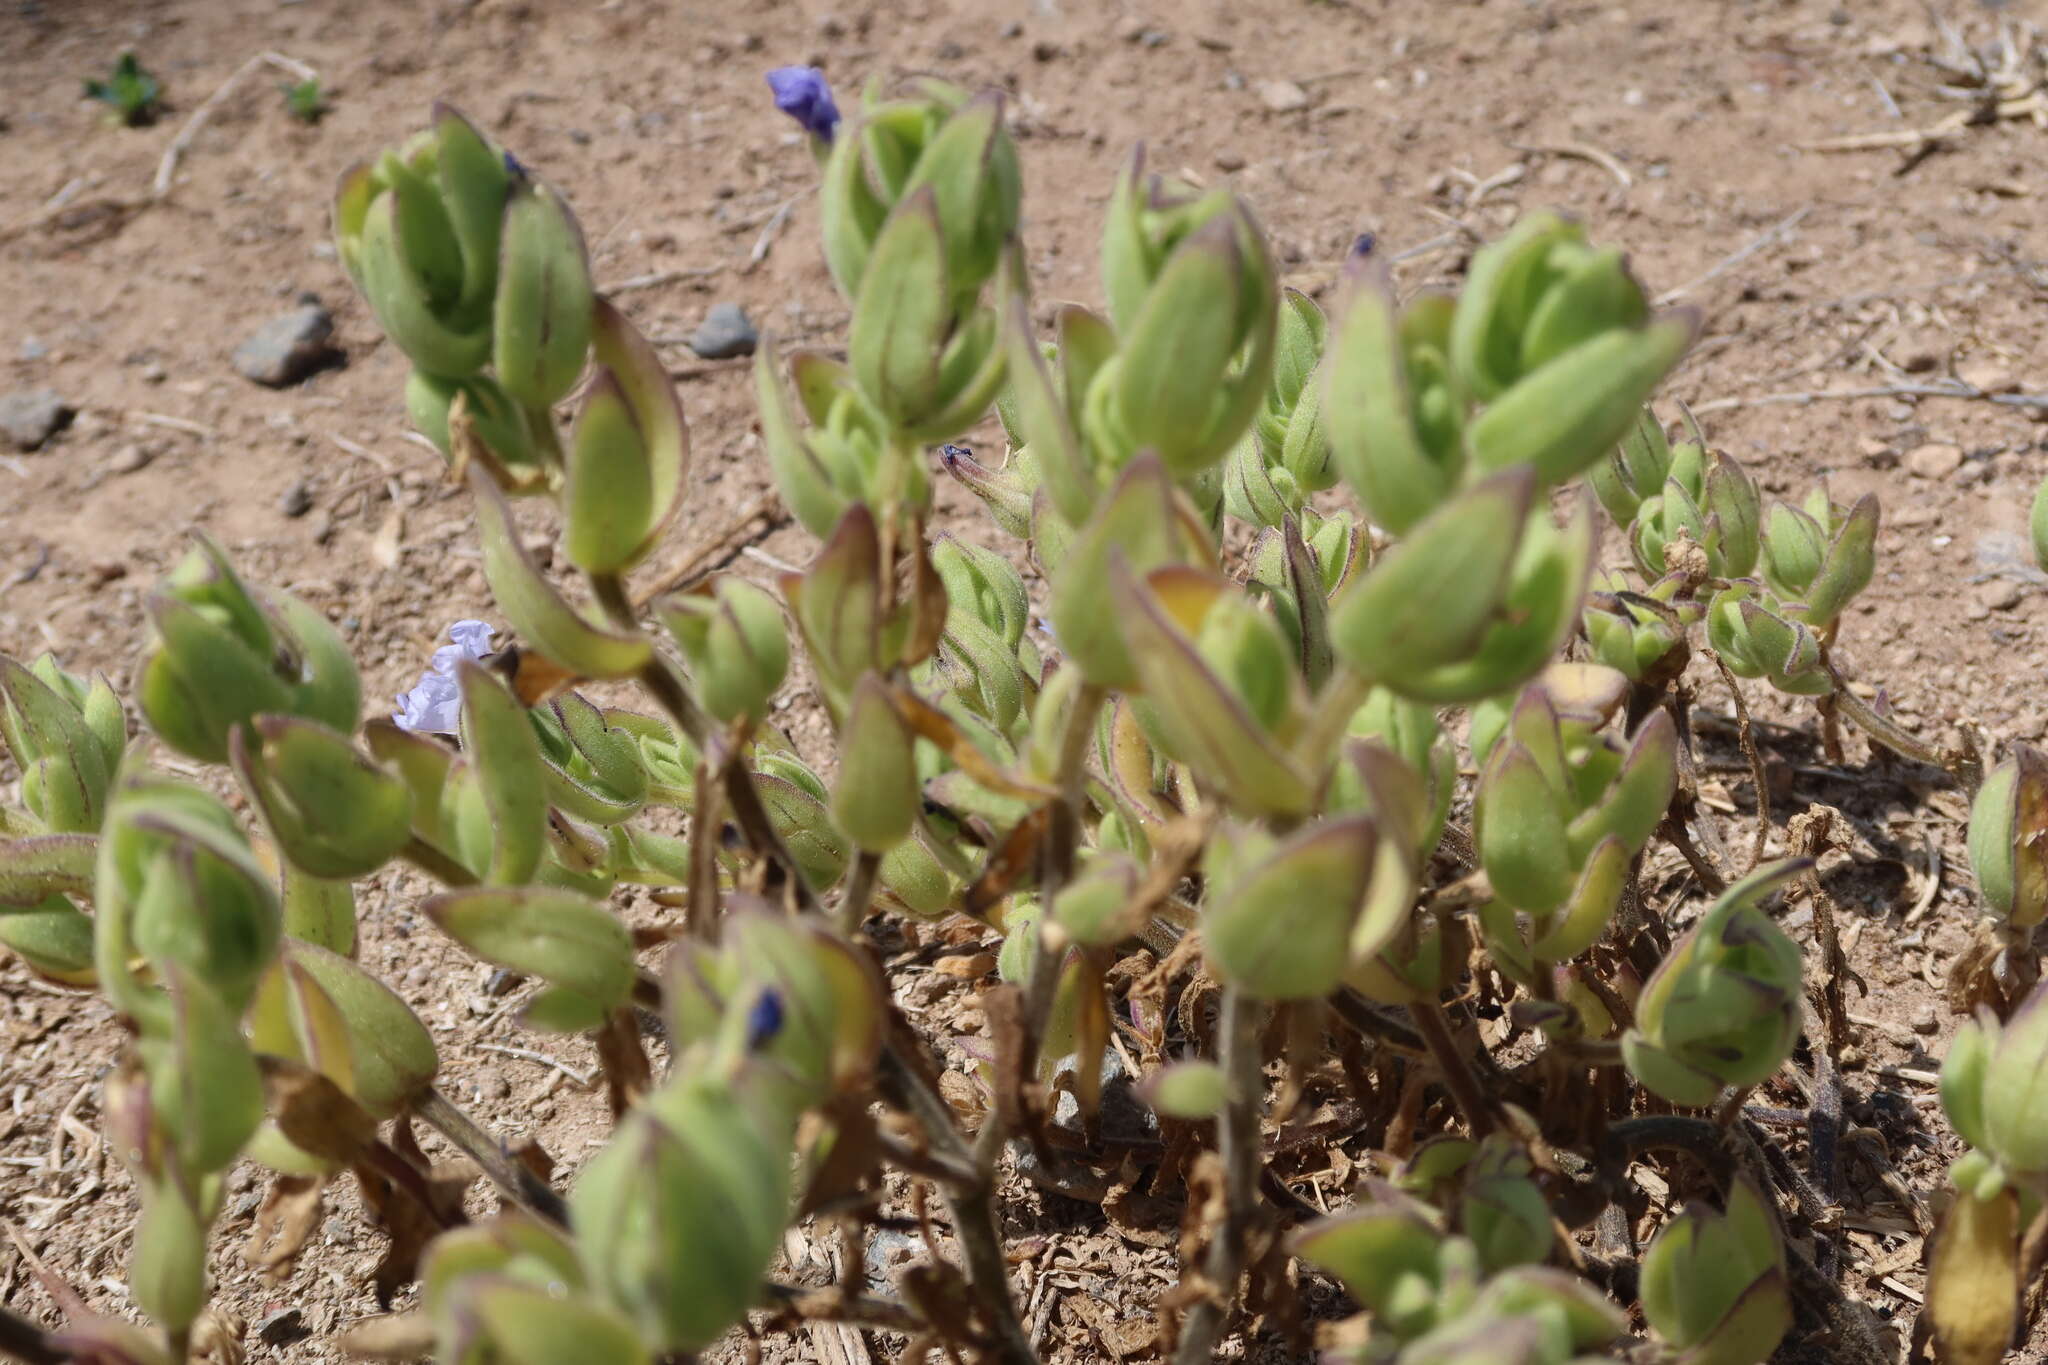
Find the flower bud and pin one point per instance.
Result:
(844, 455)
(419, 232)
(320, 1009)
(1641, 635)
(592, 765)
(223, 653)
(795, 801)
(1988, 1090)
(1006, 490)
(1555, 337)
(629, 452)
(2009, 838)
(1391, 1254)
(67, 739)
(1758, 637)
(2037, 525)
(803, 94)
(1279, 925)
(876, 797)
(1561, 812)
(205, 1096)
(1714, 1283)
(1094, 908)
(167, 1265)
(475, 419)
(1634, 470)
(1193, 296)
(1501, 1209)
(918, 205)
(681, 1214)
(1723, 1008)
(735, 641)
(1191, 1090)
(1144, 521)
(1709, 499)
(1474, 601)
(1394, 415)
(541, 318)
(177, 886)
(826, 1003)
(1220, 682)
(53, 937)
(1822, 557)
(331, 811)
(1286, 455)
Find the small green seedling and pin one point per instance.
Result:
(305, 100)
(133, 97)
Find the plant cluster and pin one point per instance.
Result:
(1211, 802)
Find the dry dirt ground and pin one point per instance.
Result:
(1675, 128)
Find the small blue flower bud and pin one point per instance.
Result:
(801, 92)
(764, 1020)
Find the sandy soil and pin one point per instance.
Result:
(1674, 128)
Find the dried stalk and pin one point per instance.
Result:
(1238, 1146)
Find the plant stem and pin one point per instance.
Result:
(834, 1305)
(1457, 1072)
(1964, 768)
(1238, 1147)
(971, 1206)
(1343, 693)
(1746, 734)
(1056, 868)
(21, 1339)
(435, 863)
(860, 891)
(513, 1180)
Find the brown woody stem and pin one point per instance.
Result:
(1238, 1147)
(1457, 1072)
(513, 1180)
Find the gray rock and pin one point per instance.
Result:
(297, 500)
(29, 417)
(287, 348)
(727, 332)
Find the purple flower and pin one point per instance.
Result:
(801, 93)
(435, 706)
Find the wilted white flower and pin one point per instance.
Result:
(435, 705)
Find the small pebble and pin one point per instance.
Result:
(32, 348)
(107, 571)
(29, 417)
(727, 331)
(297, 500)
(286, 349)
(2000, 594)
(1988, 376)
(338, 1232)
(1013, 29)
(1045, 50)
(129, 458)
(1935, 460)
(1282, 97)
(1229, 161)
(500, 982)
(1925, 1021)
